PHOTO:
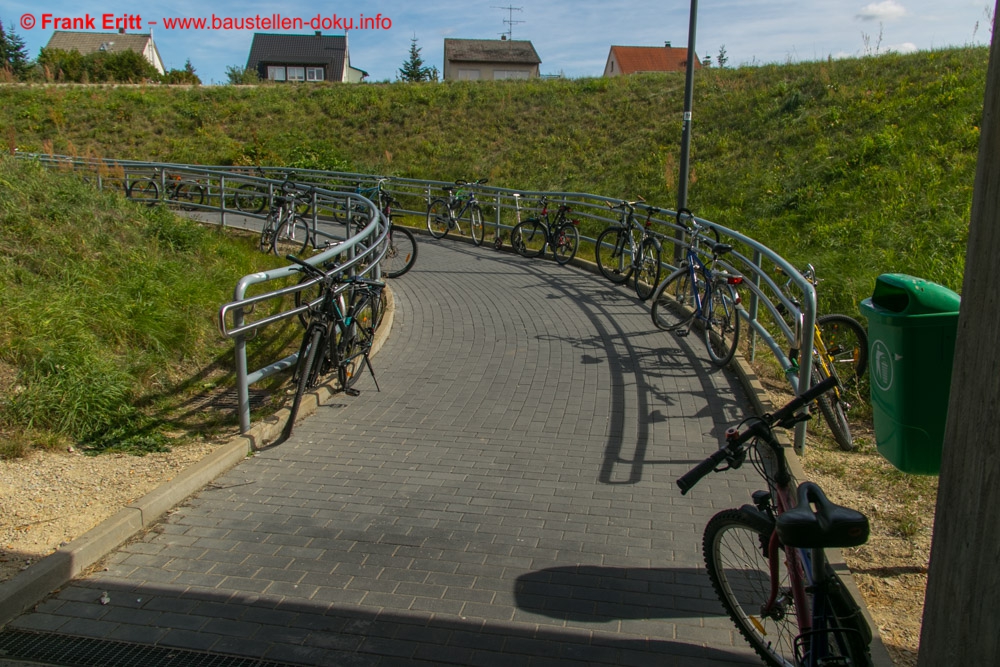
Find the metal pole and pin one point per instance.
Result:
(682, 185)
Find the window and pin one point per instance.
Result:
(509, 74)
(296, 73)
(315, 74)
(275, 73)
(468, 75)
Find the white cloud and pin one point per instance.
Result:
(905, 47)
(881, 11)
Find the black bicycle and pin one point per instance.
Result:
(628, 249)
(340, 330)
(401, 246)
(188, 193)
(444, 214)
(531, 236)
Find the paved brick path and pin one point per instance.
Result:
(507, 498)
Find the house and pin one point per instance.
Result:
(315, 57)
(112, 42)
(486, 59)
(633, 59)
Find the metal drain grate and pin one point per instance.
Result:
(68, 651)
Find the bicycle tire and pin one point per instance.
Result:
(611, 257)
(306, 371)
(144, 191)
(846, 342)
(722, 328)
(250, 198)
(356, 342)
(647, 276)
(291, 237)
(476, 227)
(530, 236)
(438, 218)
(740, 574)
(400, 252)
(832, 409)
(849, 617)
(189, 192)
(673, 304)
(565, 243)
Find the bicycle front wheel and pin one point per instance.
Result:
(847, 344)
(565, 243)
(250, 198)
(674, 301)
(438, 218)
(834, 412)
(401, 252)
(647, 276)
(722, 328)
(612, 259)
(530, 236)
(306, 371)
(356, 341)
(145, 191)
(291, 237)
(736, 557)
(478, 229)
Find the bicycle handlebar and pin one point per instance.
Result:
(783, 417)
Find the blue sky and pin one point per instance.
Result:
(571, 37)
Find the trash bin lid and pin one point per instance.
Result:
(900, 294)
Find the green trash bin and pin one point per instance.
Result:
(912, 325)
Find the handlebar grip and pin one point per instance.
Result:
(687, 481)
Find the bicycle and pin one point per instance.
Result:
(176, 188)
(793, 610)
(840, 347)
(534, 234)
(443, 215)
(702, 294)
(254, 197)
(401, 246)
(285, 230)
(620, 255)
(341, 324)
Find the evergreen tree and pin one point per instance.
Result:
(413, 70)
(13, 53)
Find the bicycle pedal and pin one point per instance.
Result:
(681, 334)
(351, 391)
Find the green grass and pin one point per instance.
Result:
(108, 315)
(859, 166)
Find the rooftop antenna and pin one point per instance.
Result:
(509, 21)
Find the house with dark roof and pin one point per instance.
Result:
(489, 59)
(315, 57)
(635, 59)
(111, 42)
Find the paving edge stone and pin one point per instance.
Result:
(39, 580)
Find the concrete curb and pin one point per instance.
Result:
(34, 584)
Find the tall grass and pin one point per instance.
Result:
(105, 305)
(859, 166)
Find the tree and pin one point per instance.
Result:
(13, 53)
(413, 70)
(183, 76)
(241, 76)
(722, 58)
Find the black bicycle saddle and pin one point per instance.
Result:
(830, 526)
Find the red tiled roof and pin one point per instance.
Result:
(633, 59)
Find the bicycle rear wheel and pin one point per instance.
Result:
(722, 329)
(291, 237)
(438, 218)
(250, 198)
(565, 242)
(613, 261)
(847, 344)
(401, 252)
(530, 236)
(477, 228)
(647, 276)
(735, 555)
(190, 194)
(674, 302)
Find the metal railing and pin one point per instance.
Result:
(774, 319)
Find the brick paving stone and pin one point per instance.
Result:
(506, 498)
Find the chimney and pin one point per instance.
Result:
(121, 31)
(667, 44)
